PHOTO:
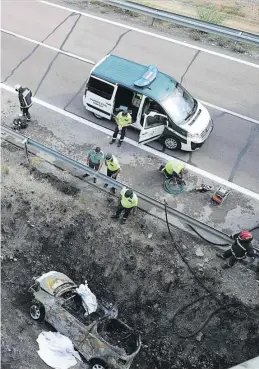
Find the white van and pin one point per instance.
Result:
(160, 106)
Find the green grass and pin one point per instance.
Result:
(210, 13)
(5, 169)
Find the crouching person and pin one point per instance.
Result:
(128, 201)
(241, 248)
(172, 169)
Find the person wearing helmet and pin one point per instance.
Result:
(241, 248)
(172, 169)
(95, 158)
(128, 201)
(113, 168)
(24, 96)
(123, 120)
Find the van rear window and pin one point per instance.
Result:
(100, 88)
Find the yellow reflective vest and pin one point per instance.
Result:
(112, 164)
(173, 166)
(127, 202)
(123, 121)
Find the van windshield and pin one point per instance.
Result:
(179, 105)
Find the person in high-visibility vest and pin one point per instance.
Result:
(113, 168)
(123, 120)
(128, 201)
(172, 169)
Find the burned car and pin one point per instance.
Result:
(102, 339)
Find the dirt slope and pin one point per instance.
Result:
(51, 221)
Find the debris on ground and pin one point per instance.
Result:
(144, 276)
(199, 252)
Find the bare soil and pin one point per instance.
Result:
(250, 22)
(51, 221)
(240, 14)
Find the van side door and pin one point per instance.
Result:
(153, 127)
(100, 97)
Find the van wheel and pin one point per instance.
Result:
(97, 116)
(171, 143)
(98, 364)
(37, 311)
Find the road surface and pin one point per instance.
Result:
(54, 52)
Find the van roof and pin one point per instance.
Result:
(125, 72)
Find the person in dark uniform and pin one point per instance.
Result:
(241, 248)
(24, 95)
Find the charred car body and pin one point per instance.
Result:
(102, 339)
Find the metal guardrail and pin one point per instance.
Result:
(28, 143)
(184, 21)
(46, 152)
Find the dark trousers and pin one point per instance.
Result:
(127, 211)
(228, 254)
(94, 166)
(25, 113)
(116, 131)
(113, 173)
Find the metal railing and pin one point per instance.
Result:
(147, 203)
(185, 21)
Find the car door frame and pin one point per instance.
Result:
(105, 107)
(158, 130)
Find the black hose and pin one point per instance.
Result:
(213, 243)
(205, 239)
(252, 229)
(203, 325)
(183, 257)
(209, 293)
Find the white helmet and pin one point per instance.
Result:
(17, 87)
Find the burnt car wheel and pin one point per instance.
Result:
(98, 364)
(171, 143)
(37, 311)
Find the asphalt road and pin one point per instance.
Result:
(231, 152)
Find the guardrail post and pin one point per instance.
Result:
(25, 142)
(152, 22)
(239, 34)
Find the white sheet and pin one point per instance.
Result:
(88, 298)
(56, 350)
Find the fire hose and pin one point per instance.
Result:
(212, 295)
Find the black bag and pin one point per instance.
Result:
(20, 123)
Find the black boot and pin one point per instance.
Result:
(119, 143)
(220, 255)
(161, 167)
(112, 141)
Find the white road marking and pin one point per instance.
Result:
(150, 150)
(152, 34)
(230, 112)
(252, 120)
(47, 46)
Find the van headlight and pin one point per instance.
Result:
(193, 136)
